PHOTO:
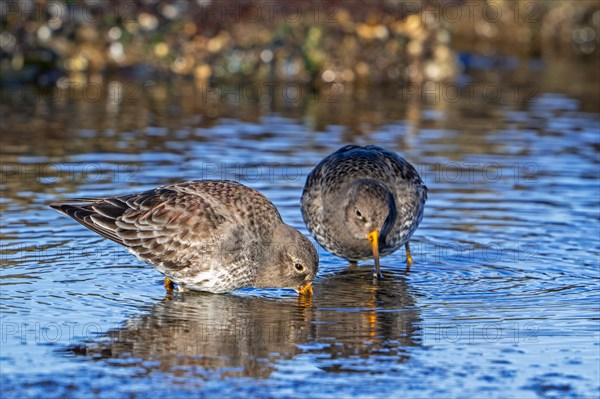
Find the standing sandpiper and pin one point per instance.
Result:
(205, 235)
(363, 202)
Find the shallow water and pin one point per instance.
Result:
(502, 301)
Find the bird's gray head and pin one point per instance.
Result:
(293, 261)
(368, 206)
(369, 213)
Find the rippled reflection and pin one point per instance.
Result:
(349, 316)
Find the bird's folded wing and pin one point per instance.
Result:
(164, 226)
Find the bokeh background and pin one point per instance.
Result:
(310, 42)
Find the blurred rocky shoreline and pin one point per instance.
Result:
(308, 42)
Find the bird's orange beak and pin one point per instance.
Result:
(306, 289)
(374, 240)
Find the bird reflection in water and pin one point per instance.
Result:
(362, 317)
(200, 335)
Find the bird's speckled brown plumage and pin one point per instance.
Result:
(214, 236)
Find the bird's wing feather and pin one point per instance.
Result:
(167, 226)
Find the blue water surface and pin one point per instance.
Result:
(502, 301)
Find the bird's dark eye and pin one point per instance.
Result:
(299, 267)
(358, 214)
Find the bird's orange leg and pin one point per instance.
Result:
(409, 260)
(169, 286)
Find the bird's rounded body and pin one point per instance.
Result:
(206, 235)
(357, 171)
